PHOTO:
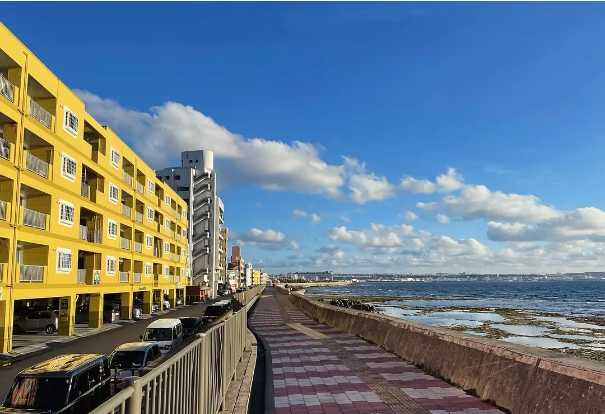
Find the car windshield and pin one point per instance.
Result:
(38, 393)
(127, 359)
(158, 334)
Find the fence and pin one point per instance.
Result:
(196, 379)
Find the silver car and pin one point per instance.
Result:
(37, 320)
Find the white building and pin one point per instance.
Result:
(195, 182)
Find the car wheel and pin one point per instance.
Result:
(50, 329)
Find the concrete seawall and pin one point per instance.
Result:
(520, 379)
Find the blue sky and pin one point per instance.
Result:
(506, 97)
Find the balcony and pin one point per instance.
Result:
(138, 217)
(81, 276)
(91, 235)
(39, 113)
(124, 243)
(138, 247)
(137, 278)
(85, 190)
(127, 178)
(126, 211)
(124, 277)
(31, 273)
(36, 219)
(7, 89)
(140, 188)
(36, 165)
(5, 149)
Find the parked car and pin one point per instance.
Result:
(37, 320)
(72, 383)
(130, 360)
(111, 312)
(191, 325)
(167, 333)
(217, 312)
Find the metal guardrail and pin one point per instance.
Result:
(3, 208)
(7, 89)
(127, 178)
(81, 276)
(85, 190)
(33, 218)
(39, 113)
(194, 380)
(126, 210)
(137, 278)
(31, 273)
(36, 165)
(138, 217)
(124, 243)
(5, 148)
(138, 247)
(124, 277)
(140, 188)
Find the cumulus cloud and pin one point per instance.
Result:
(410, 215)
(442, 218)
(267, 238)
(364, 186)
(447, 182)
(332, 251)
(378, 236)
(313, 217)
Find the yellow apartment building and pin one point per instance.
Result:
(84, 222)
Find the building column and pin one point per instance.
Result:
(67, 315)
(126, 302)
(172, 298)
(160, 298)
(148, 302)
(95, 311)
(184, 297)
(6, 325)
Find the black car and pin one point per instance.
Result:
(191, 325)
(72, 383)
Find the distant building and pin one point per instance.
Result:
(195, 181)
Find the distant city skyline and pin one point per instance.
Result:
(388, 138)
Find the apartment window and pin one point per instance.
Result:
(115, 158)
(70, 122)
(148, 269)
(150, 214)
(114, 193)
(63, 260)
(111, 265)
(149, 241)
(150, 186)
(166, 223)
(184, 232)
(66, 213)
(68, 167)
(166, 247)
(167, 199)
(112, 229)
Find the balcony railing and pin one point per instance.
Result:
(36, 165)
(127, 178)
(138, 247)
(140, 188)
(157, 252)
(124, 277)
(125, 243)
(39, 113)
(5, 149)
(7, 89)
(138, 217)
(33, 218)
(137, 278)
(3, 209)
(126, 210)
(81, 276)
(92, 235)
(85, 190)
(31, 274)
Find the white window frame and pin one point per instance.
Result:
(166, 222)
(148, 238)
(111, 199)
(66, 204)
(61, 253)
(146, 267)
(115, 163)
(150, 214)
(65, 174)
(166, 247)
(109, 223)
(66, 124)
(167, 199)
(115, 263)
(151, 186)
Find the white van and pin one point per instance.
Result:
(167, 333)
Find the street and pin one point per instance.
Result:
(103, 343)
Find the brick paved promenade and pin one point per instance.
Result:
(319, 369)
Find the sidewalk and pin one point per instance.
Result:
(319, 369)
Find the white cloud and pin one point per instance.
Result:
(450, 181)
(313, 217)
(414, 185)
(267, 239)
(586, 223)
(378, 236)
(369, 187)
(442, 218)
(478, 201)
(410, 216)
(447, 182)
